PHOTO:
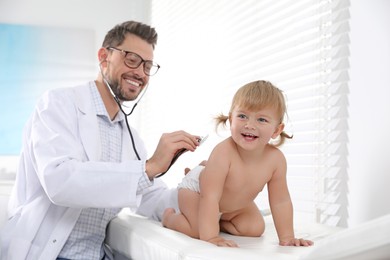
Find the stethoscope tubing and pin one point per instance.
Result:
(126, 115)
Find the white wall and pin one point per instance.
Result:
(369, 124)
(99, 15)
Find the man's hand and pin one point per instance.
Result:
(168, 146)
(296, 242)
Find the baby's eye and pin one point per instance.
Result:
(262, 120)
(242, 116)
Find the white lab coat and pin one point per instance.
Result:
(60, 173)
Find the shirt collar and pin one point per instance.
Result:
(100, 108)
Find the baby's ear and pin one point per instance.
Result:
(278, 130)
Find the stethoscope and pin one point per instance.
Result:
(126, 115)
(175, 157)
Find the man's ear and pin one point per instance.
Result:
(102, 55)
(278, 130)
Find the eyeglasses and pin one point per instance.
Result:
(133, 61)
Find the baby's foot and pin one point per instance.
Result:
(167, 213)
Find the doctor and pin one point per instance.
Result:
(81, 162)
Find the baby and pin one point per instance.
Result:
(220, 196)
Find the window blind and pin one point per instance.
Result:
(208, 49)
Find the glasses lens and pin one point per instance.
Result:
(150, 68)
(133, 60)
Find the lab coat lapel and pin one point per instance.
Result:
(88, 123)
(90, 136)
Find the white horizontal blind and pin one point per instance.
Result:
(208, 49)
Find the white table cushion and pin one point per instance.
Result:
(136, 237)
(370, 240)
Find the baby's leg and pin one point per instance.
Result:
(244, 222)
(187, 220)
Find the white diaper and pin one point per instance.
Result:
(191, 180)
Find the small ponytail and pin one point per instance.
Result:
(220, 119)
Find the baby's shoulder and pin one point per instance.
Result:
(275, 153)
(226, 144)
(224, 147)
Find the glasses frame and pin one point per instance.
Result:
(153, 64)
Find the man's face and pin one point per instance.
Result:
(127, 83)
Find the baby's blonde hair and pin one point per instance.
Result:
(257, 95)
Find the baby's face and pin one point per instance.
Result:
(251, 129)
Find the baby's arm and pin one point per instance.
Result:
(212, 180)
(282, 208)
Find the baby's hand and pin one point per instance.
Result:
(296, 242)
(220, 241)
